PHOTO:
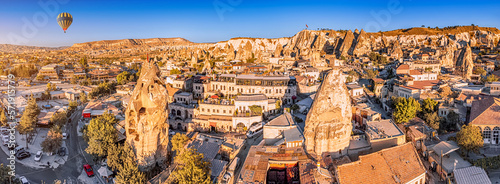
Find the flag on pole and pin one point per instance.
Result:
(307, 26)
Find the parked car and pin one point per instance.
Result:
(171, 133)
(23, 154)
(24, 180)
(38, 156)
(65, 135)
(4, 131)
(88, 170)
(61, 151)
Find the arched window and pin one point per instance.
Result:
(487, 133)
(178, 112)
(496, 134)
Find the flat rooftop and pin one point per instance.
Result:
(382, 129)
(285, 119)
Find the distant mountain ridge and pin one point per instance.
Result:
(24, 49)
(311, 43)
(132, 42)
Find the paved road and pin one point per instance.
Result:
(72, 168)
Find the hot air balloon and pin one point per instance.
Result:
(64, 20)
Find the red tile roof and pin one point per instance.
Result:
(485, 112)
(415, 72)
(422, 84)
(404, 67)
(399, 164)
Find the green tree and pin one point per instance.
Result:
(29, 118)
(470, 138)
(175, 71)
(278, 104)
(72, 106)
(490, 78)
(3, 118)
(450, 121)
(59, 118)
(405, 109)
(101, 134)
(178, 142)
(83, 98)
(429, 105)
(432, 119)
(53, 141)
(49, 87)
(295, 107)
(480, 71)
(122, 78)
(123, 160)
(255, 109)
(7, 176)
(192, 168)
(370, 74)
(83, 62)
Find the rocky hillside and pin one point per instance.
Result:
(110, 44)
(314, 45)
(22, 49)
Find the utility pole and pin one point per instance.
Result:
(441, 171)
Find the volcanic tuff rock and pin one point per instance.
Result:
(328, 124)
(307, 44)
(146, 118)
(465, 63)
(346, 44)
(362, 45)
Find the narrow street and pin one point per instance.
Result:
(243, 155)
(71, 170)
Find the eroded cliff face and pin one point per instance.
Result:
(328, 124)
(311, 44)
(146, 118)
(465, 63)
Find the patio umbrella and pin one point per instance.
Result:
(104, 171)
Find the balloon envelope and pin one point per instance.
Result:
(64, 20)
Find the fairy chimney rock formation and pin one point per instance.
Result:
(465, 64)
(328, 123)
(146, 118)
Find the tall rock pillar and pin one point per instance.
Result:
(328, 124)
(146, 118)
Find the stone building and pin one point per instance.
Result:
(400, 164)
(51, 72)
(485, 114)
(146, 118)
(227, 115)
(283, 88)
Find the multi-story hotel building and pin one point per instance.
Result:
(51, 72)
(228, 102)
(283, 88)
(237, 114)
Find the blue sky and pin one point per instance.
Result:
(218, 20)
